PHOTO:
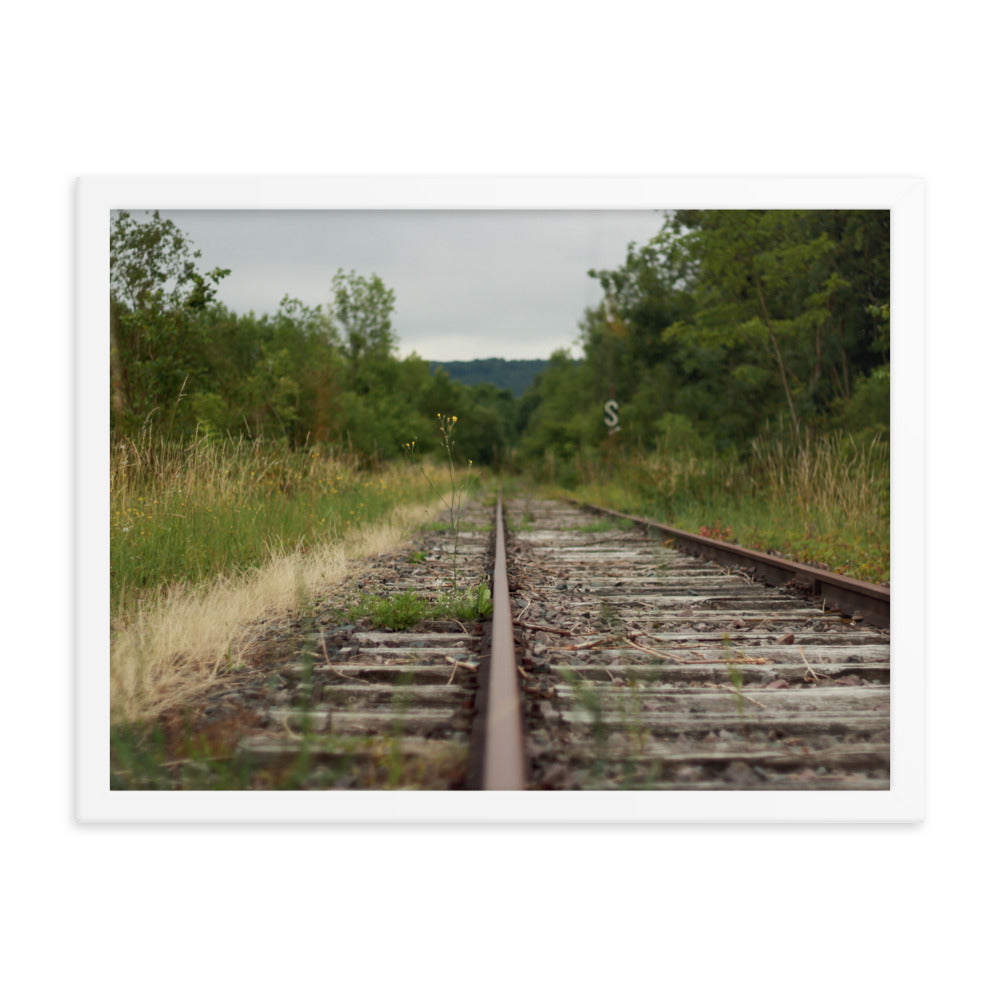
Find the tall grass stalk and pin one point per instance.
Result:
(825, 476)
(459, 488)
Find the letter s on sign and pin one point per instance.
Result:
(611, 415)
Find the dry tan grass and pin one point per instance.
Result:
(184, 642)
(826, 475)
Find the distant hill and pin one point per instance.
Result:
(514, 375)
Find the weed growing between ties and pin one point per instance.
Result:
(735, 679)
(405, 610)
(396, 613)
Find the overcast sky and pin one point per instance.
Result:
(469, 284)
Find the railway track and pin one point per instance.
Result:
(391, 698)
(646, 667)
(614, 660)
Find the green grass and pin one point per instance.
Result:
(826, 502)
(152, 758)
(396, 613)
(402, 611)
(187, 513)
(167, 755)
(467, 604)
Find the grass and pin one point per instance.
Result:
(735, 676)
(171, 755)
(187, 513)
(402, 611)
(468, 604)
(398, 612)
(825, 502)
(181, 643)
(213, 541)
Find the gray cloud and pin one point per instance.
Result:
(468, 283)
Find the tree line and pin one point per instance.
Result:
(724, 326)
(182, 363)
(518, 376)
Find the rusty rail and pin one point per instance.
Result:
(503, 753)
(868, 601)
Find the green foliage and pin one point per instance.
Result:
(868, 407)
(676, 434)
(725, 324)
(154, 267)
(157, 292)
(728, 320)
(397, 612)
(174, 753)
(468, 604)
(557, 428)
(183, 365)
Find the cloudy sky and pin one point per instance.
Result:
(469, 284)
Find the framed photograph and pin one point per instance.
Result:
(500, 500)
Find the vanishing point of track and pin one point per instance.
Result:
(622, 654)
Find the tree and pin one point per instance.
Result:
(764, 278)
(363, 308)
(648, 293)
(324, 375)
(154, 266)
(157, 351)
(734, 319)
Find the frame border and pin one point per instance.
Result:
(96, 197)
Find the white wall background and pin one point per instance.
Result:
(775, 88)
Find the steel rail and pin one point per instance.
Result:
(503, 752)
(867, 601)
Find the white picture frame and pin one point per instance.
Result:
(97, 197)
